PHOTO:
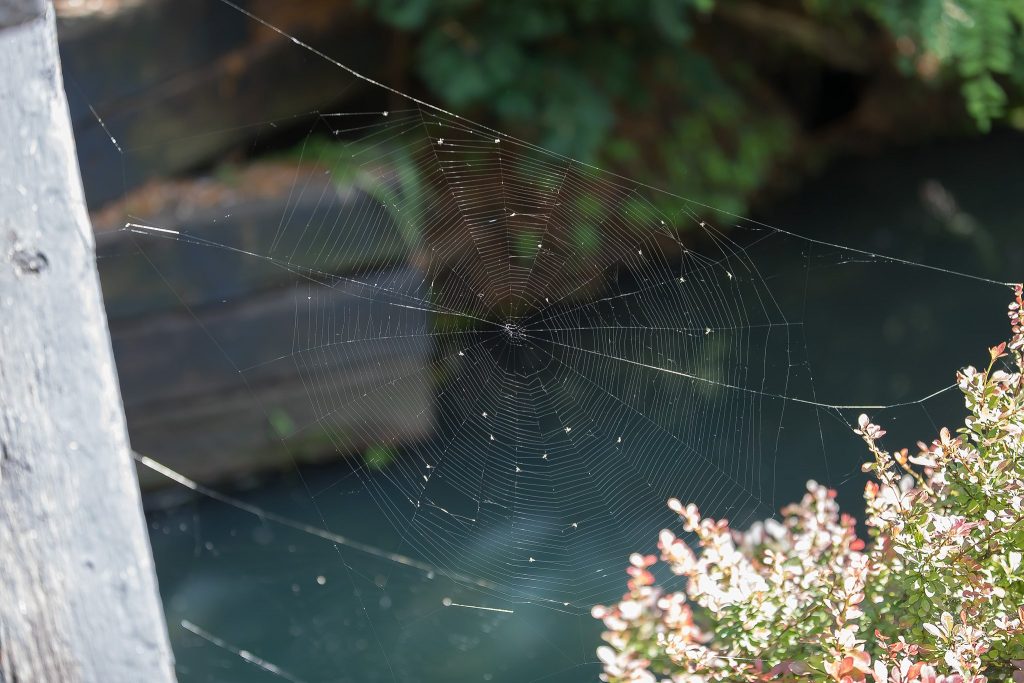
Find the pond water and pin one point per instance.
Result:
(490, 576)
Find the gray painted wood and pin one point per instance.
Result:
(14, 12)
(78, 594)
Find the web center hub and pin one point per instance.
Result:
(514, 333)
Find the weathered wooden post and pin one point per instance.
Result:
(78, 595)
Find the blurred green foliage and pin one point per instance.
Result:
(980, 41)
(378, 457)
(692, 94)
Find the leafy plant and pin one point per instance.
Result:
(710, 97)
(980, 40)
(937, 595)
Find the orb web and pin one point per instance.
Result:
(570, 361)
(517, 357)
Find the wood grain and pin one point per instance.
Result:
(78, 594)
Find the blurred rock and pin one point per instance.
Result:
(232, 325)
(173, 105)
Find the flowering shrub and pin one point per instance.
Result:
(935, 596)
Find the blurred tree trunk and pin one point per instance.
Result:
(78, 594)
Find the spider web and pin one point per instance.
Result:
(561, 326)
(520, 358)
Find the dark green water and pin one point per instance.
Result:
(864, 331)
